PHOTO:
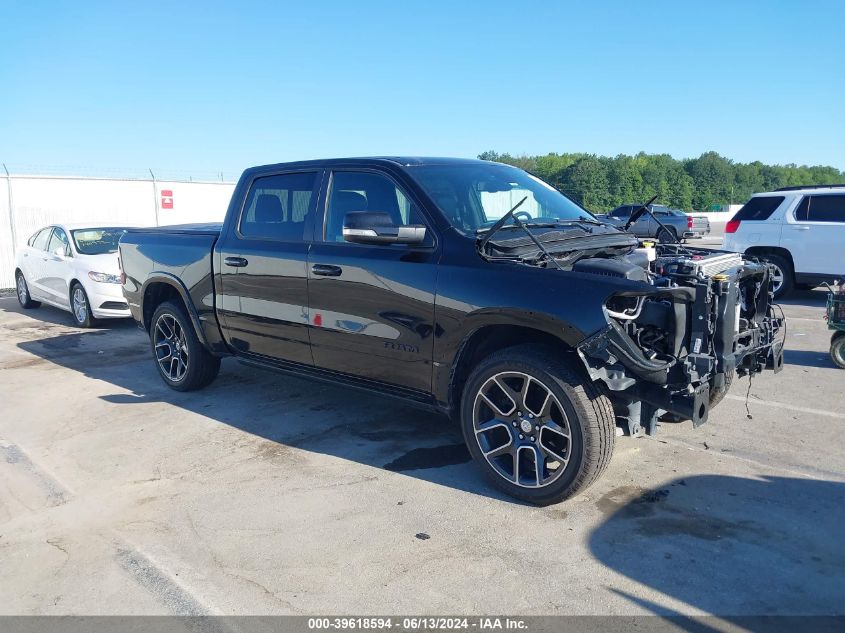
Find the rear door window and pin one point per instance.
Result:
(759, 208)
(278, 207)
(40, 240)
(822, 208)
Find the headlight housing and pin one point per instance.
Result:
(103, 278)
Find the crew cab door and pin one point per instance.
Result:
(814, 233)
(262, 285)
(372, 306)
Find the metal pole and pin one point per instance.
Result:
(11, 208)
(155, 195)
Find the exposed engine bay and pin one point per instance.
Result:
(708, 319)
(675, 338)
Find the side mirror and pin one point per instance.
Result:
(59, 251)
(376, 227)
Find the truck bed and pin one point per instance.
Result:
(180, 256)
(206, 228)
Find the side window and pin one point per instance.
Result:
(802, 210)
(622, 212)
(823, 208)
(40, 240)
(759, 208)
(366, 191)
(277, 207)
(59, 241)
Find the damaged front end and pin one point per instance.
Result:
(673, 347)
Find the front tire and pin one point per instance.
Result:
(24, 298)
(80, 307)
(837, 349)
(182, 361)
(538, 430)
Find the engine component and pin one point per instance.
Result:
(611, 268)
(698, 265)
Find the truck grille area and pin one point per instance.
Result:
(700, 265)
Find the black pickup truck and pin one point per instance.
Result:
(465, 286)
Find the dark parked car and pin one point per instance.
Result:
(679, 224)
(465, 286)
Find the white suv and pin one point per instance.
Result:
(799, 230)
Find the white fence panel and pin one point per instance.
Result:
(7, 243)
(194, 202)
(38, 201)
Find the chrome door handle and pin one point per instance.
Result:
(801, 228)
(326, 270)
(236, 262)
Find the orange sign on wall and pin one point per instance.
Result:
(166, 199)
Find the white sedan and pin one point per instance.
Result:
(74, 268)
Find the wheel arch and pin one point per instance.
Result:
(488, 339)
(161, 287)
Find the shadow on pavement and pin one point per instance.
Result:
(284, 410)
(816, 298)
(706, 540)
(49, 314)
(808, 358)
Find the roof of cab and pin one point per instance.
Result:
(401, 161)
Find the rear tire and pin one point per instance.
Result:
(784, 276)
(80, 307)
(837, 349)
(554, 441)
(24, 298)
(182, 361)
(667, 236)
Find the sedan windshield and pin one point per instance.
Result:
(97, 241)
(474, 196)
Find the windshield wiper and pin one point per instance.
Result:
(501, 222)
(583, 220)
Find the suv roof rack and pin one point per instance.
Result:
(797, 187)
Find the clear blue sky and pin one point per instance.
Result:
(209, 87)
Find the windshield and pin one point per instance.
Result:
(97, 241)
(473, 197)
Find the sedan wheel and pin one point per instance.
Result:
(80, 306)
(22, 291)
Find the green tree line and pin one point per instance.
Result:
(601, 183)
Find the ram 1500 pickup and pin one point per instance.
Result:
(465, 286)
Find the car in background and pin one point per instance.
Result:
(74, 268)
(800, 231)
(679, 225)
